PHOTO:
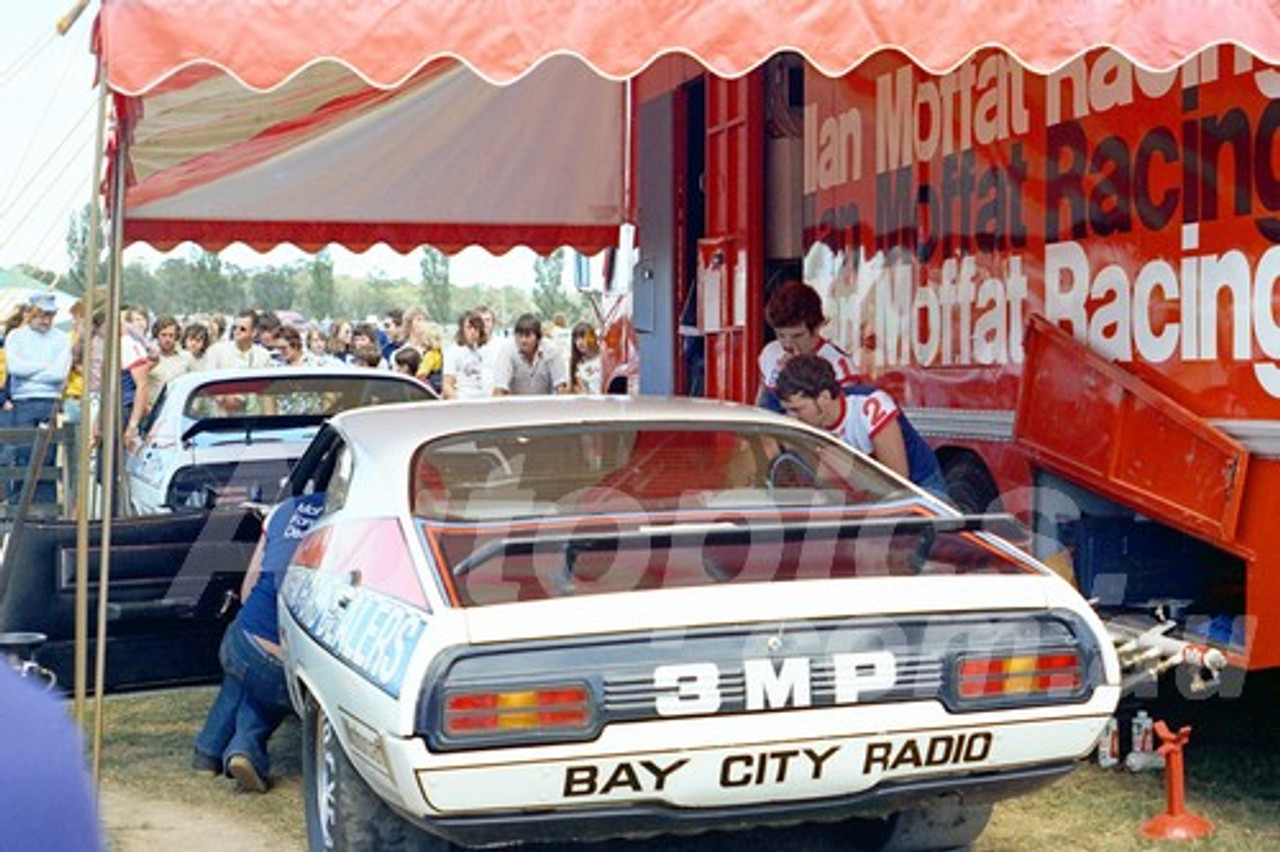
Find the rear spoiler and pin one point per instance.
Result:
(251, 423)
(728, 532)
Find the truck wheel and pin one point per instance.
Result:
(343, 814)
(970, 484)
(946, 825)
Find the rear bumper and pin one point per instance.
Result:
(639, 820)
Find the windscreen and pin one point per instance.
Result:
(640, 468)
(320, 395)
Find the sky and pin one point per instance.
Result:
(46, 148)
(48, 99)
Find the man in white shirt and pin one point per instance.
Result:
(170, 361)
(794, 312)
(529, 364)
(38, 358)
(240, 350)
(864, 417)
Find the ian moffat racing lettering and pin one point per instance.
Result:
(1136, 209)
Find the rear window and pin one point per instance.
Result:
(319, 395)
(493, 566)
(528, 514)
(539, 472)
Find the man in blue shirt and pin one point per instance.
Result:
(254, 697)
(864, 417)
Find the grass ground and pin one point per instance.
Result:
(1233, 778)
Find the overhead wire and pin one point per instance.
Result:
(40, 124)
(18, 202)
(55, 218)
(38, 174)
(17, 64)
(46, 246)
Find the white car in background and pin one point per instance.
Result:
(226, 436)
(545, 619)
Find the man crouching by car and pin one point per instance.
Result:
(254, 699)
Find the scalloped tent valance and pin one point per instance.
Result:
(264, 42)
(376, 121)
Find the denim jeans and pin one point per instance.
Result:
(27, 414)
(251, 704)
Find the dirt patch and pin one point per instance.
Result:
(153, 801)
(136, 822)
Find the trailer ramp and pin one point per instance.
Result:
(1093, 422)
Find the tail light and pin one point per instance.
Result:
(558, 709)
(1019, 677)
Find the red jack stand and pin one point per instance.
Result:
(1176, 823)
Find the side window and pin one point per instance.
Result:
(150, 418)
(314, 472)
(340, 481)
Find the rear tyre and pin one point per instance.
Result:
(939, 827)
(970, 485)
(343, 814)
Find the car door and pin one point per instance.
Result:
(168, 580)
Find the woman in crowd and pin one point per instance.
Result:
(406, 360)
(431, 369)
(217, 325)
(195, 342)
(317, 346)
(467, 373)
(584, 359)
(341, 348)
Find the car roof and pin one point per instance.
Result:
(186, 382)
(397, 430)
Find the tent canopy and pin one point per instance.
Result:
(357, 123)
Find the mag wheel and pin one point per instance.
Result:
(343, 814)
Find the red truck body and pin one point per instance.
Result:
(1068, 279)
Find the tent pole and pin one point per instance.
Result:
(110, 419)
(84, 437)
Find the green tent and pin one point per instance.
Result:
(15, 279)
(17, 287)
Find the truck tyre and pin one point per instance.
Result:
(343, 814)
(970, 484)
(939, 827)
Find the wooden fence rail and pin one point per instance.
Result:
(63, 443)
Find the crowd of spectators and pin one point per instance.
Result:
(46, 371)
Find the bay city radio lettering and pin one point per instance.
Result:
(943, 750)
(686, 689)
(978, 170)
(779, 767)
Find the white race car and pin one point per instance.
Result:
(226, 436)
(543, 619)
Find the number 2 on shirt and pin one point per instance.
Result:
(875, 413)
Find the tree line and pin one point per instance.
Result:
(201, 282)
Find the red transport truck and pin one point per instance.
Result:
(1062, 262)
(1069, 280)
